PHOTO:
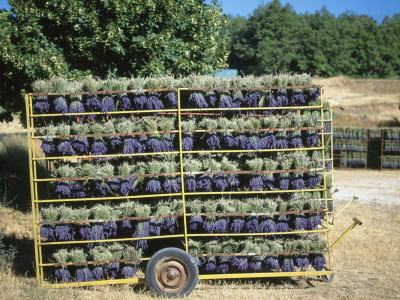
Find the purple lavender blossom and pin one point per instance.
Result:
(190, 184)
(41, 106)
(237, 225)
(64, 232)
(47, 232)
(83, 274)
(197, 100)
(240, 262)
(129, 270)
(99, 147)
(196, 222)
(297, 99)
(97, 272)
(204, 183)
(62, 274)
(60, 105)
(187, 142)
(288, 265)
(256, 182)
(124, 102)
(212, 141)
(65, 147)
(153, 186)
(48, 146)
(220, 183)
(171, 100)
(272, 263)
(252, 225)
(318, 262)
(63, 190)
(107, 104)
(80, 145)
(139, 101)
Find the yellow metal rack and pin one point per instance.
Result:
(37, 202)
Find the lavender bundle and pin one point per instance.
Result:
(267, 223)
(196, 221)
(281, 136)
(99, 253)
(285, 163)
(268, 178)
(166, 139)
(297, 98)
(48, 214)
(294, 138)
(76, 106)
(196, 247)
(153, 185)
(268, 139)
(282, 225)
(212, 247)
(255, 261)
(196, 100)
(153, 102)
(237, 223)
(59, 85)
(311, 136)
(63, 188)
(187, 138)
(114, 142)
(123, 102)
(317, 259)
(302, 261)
(60, 105)
(255, 180)
(92, 103)
(153, 143)
(107, 103)
(281, 98)
(288, 263)
(225, 262)
(313, 218)
(89, 170)
(139, 99)
(300, 162)
(171, 184)
(191, 167)
(62, 273)
(142, 227)
(171, 100)
(228, 140)
(211, 140)
(100, 212)
(113, 183)
(127, 210)
(112, 269)
(240, 262)
(80, 144)
(299, 220)
(65, 232)
(272, 261)
(99, 146)
(155, 224)
(64, 147)
(254, 141)
(222, 223)
(41, 105)
(130, 268)
(209, 224)
(48, 145)
(252, 224)
(84, 229)
(232, 179)
(314, 96)
(130, 143)
(169, 224)
(110, 228)
(82, 272)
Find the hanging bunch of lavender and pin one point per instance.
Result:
(196, 100)
(270, 101)
(142, 227)
(171, 100)
(268, 178)
(59, 85)
(218, 181)
(314, 96)
(41, 104)
(153, 101)
(112, 269)
(153, 143)
(298, 98)
(167, 139)
(252, 99)
(130, 268)
(99, 253)
(255, 180)
(212, 247)
(311, 136)
(240, 262)
(222, 223)
(84, 228)
(313, 177)
(139, 98)
(313, 218)
(243, 140)
(187, 137)
(63, 188)
(255, 262)
(209, 207)
(64, 147)
(169, 223)
(232, 179)
(282, 225)
(114, 141)
(48, 214)
(101, 188)
(126, 183)
(65, 232)
(100, 212)
(281, 140)
(107, 103)
(92, 103)
(155, 224)
(302, 260)
(196, 221)
(127, 210)
(191, 167)
(282, 98)
(62, 273)
(254, 141)
(82, 272)
(123, 102)
(60, 105)
(153, 185)
(288, 263)
(99, 146)
(171, 183)
(131, 143)
(113, 184)
(272, 261)
(297, 203)
(89, 170)
(196, 247)
(300, 162)
(80, 144)
(76, 107)
(225, 262)
(267, 223)
(110, 228)
(294, 138)
(252, 222)
(268, 139)
(228, 140)
(317, 259)
(211, 139)
(48, 145)
(237, 223)
(285, 163)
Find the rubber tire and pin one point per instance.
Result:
(184, 257)
(327, 278)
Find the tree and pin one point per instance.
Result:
(107, 38)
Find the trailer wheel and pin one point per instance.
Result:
(327, 278)
(171, 272)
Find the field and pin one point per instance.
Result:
(364, 264)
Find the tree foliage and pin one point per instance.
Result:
(39, 39)
(276, 38)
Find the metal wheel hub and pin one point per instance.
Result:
(171, 275)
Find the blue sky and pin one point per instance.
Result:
(378, 9)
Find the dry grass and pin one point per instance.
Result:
(365, 266)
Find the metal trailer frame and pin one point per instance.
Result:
(36, 202)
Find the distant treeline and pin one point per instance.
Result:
(275, 37)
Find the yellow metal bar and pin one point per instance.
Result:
(355, 223)
(254, 192)
(88, 262)
(250, 151)
(254, 234)
(105, 155)
(182, 174)
(112, 240)
(29, 134)
(108, 198)
(263, 275)
(249, 108)
(95, 283)
(347, 205)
